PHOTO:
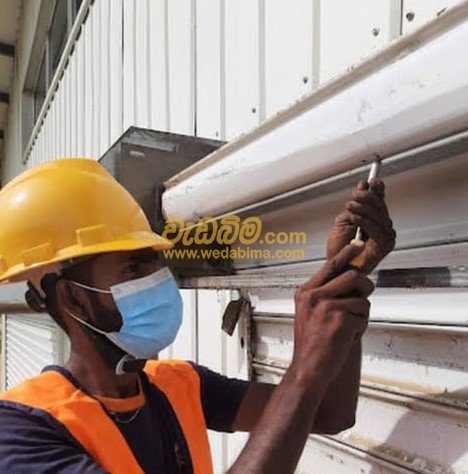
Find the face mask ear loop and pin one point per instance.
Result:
(128, 364)
(125, 365)
(82, 321)
(91, 288)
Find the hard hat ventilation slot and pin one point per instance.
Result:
(95, 234)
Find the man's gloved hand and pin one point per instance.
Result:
(368, 210)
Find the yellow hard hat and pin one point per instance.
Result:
(66, 209)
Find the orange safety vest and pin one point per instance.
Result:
(89, 424)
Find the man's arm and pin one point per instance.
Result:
(328, 320)
(336, 411)
(367, 208)
(32, 442)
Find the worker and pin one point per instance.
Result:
(91, 261)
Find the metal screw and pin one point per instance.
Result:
(410, 16)
(375, 31)
(254, 110)
(305, 79)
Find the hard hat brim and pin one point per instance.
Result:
(135, 241)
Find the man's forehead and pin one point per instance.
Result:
(110, 259)
(124, 256)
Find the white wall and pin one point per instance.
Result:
(141, 62)
(215, 68)
(212, 67)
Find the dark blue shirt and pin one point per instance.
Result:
(32, 441)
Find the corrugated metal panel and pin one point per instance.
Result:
(351, 31)
(114, 86)
(128, 57)
(210, 68)
(181, 65)
(158, 101)
(185, 345)
(413, 389)
(31, 343)
(138, 62)
(223, 354)
(418, 12)
(288, 59)
(419, 305)
(427, 361)
(87, 40)
(242, 67)
(325, 455)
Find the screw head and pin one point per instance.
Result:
(305, 79)
(254, 110)
(410, 16)
(375, 31)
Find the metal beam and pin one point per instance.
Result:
(12, 299)
(7, 50)
(271, 318)
(429, 153)
(4, 97)
(455, 276)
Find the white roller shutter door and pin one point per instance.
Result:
(412, 411)
(413, 408)
(31, 343)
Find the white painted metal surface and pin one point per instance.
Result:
(242, 83)
(409, 202)
(330, 456)
(426, 306)
(413, 389)
(418, 12)
(288, 68)
(426, 362)
(354, 31)
(414, 92)
(220, 352)
(219, 68)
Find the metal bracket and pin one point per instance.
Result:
(233, 312)
(142, 160)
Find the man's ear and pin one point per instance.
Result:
(67, 298)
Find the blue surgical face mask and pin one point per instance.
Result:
(151, 310)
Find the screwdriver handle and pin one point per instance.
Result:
(358, 261)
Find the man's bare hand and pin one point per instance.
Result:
(332, 312)
(368, 210)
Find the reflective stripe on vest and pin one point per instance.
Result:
(89, 423)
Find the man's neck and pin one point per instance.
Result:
(98, 378)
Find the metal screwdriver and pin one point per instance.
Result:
(373, 173)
